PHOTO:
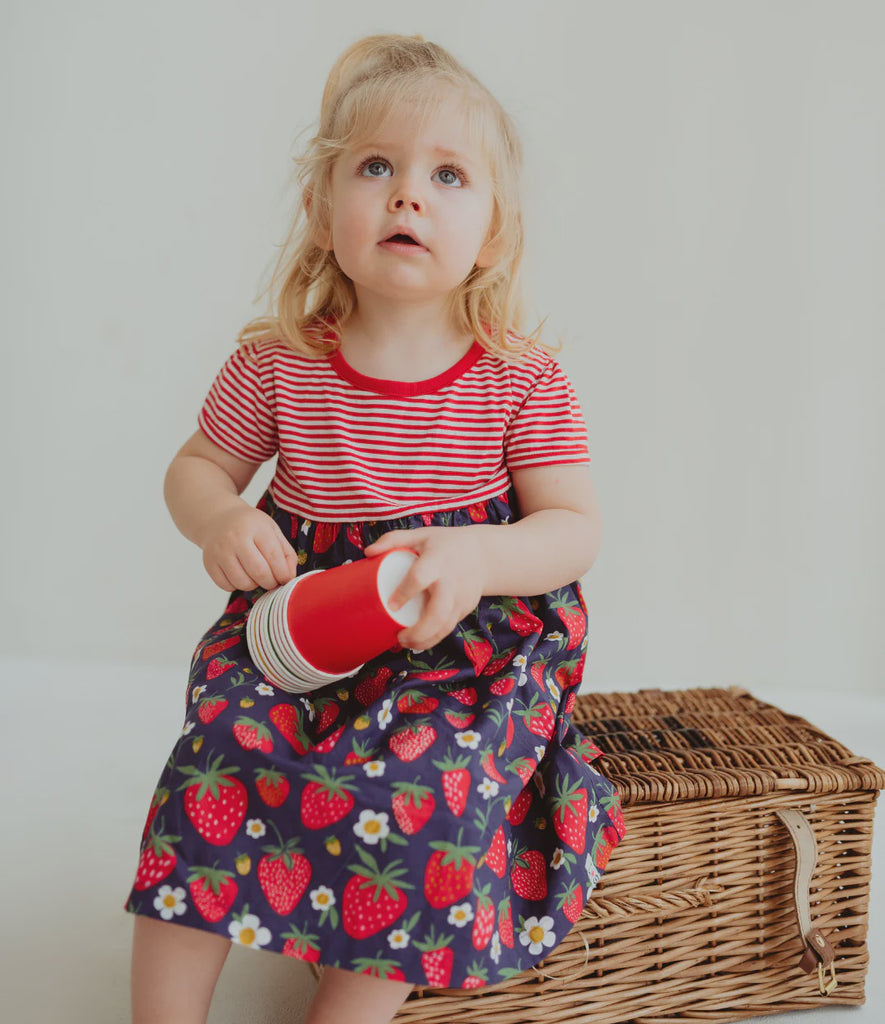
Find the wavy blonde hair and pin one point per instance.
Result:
(309, 293)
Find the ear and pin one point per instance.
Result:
(489, 254)
(323, 239)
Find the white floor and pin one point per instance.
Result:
(82, 746)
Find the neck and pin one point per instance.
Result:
(414, 333)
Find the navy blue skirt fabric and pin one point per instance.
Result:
(434, 819)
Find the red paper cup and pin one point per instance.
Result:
(339, 619)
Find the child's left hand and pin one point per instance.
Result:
(450, 567)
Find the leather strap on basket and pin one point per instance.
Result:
(818, 952)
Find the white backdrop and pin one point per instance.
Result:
(706, 233)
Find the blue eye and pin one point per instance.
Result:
(452, 176)
(371, 168)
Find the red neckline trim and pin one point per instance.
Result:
(405, 388)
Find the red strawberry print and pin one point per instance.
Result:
(252, 735)
(571, 901)
(528, 875)
(455, 781)
(287, 718)
(378, 967)
(301, 945)
(373, 687)
(520, 807)
(505, 922)
(416, 702)
(374, 897)
(327, 710)
(413, 806)
(518, 616)
(483, 918)
(359, 754)
(478, 512)
(477, 647)
(354, 534)
(283, 874)
(218, 647)
(573, 617)
(488, 766)
(437, 958)
(606, 840)
(501, 687)
(570, 812)
(539, 718)
(273, 787)
(156, 862)
(218, 666)
(324, 746)
(496, 855)
(433, 673)
(161, 795)
(465, 695)
(460, 719)
(237, 606)
(524, 768)
(214, 801)
(210, 708)
(499, 662)
(213, 891)
(410, 742)
(477, 976)
(448, 875)
(326, 798)
(324, 536)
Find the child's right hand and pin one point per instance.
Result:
(243, 548)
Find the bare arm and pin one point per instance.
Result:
(553, 544)
(242, 546)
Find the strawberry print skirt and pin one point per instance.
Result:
(434, 819)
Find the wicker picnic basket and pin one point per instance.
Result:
(741, 820)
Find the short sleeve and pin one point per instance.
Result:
(548, 428)
(238, 414)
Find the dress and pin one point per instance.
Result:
(434, 819)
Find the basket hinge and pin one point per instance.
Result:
(818, 951)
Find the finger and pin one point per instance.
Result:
(271, 549)
(418, 579)
(429, 629)
(249, 570)
(393, 539)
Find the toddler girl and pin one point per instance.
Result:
(435, 819)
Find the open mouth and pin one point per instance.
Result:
(406, 239)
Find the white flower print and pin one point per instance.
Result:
(520, 661)
(523, 679)
(555, 636)
(308, 705)
(495, 951)
(558, 859)
(372, 826)
(170, 902)
(553, 690)
(256, 828)
(592, 813)
(374, 769)
(385, 716)
(322, 898)
(398, 938)
(540, 751)
(593, 874)
(196, 693)
(188, 727)
(468, 739)
(460, 915)
(265, 689)
(538, 934)
(249, 932)
(487, 788)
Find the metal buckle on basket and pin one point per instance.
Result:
(826, 989)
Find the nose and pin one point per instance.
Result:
(405, 194)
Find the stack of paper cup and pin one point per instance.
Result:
(325, 625)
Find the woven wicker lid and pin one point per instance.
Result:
(700, 744)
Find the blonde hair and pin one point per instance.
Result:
(309, 293)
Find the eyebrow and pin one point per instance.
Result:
(441, 151)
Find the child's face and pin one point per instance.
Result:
(398, 181)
